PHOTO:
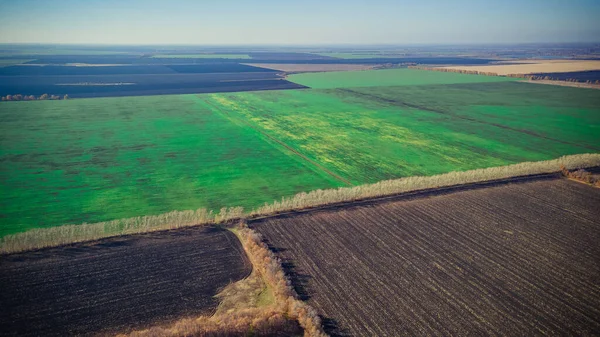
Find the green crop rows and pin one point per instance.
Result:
(91, 160)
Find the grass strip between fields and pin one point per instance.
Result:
(243, 310)
(66, 234)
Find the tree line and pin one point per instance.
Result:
(43, 97)
(524, 76)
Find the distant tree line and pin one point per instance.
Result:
(525, 76)
(43, 97)
(548, 78)
(459, 71)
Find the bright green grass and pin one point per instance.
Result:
(371, 134)
(387, 77)
(99, 159)
(12, 62)
(201, 56)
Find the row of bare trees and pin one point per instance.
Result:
(43, 97)
(524, 76)
(580, 175)
(459, 71)
(548, 78)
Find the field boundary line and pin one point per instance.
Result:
(40, 238)
(411, 195)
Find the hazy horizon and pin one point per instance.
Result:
(309, 23)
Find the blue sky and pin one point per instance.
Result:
(246, 22)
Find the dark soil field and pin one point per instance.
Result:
(255, 58)
(580, 76)
(142, 84)
(51, 70)
(117, 284)
(517, 259)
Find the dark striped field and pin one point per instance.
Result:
(518, 259)
(119, 284)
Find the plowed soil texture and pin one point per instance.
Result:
(518, 259)
(119, 284)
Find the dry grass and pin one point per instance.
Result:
(66, 234)
(533, 66)
(56, 236)
(581, 175)
(311, 68)
(241, 312)
(410, 184)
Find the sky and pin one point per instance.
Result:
(301, 22)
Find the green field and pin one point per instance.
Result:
(107, 158)
(370, 134)
(99, 159)
(393, 54)
(387, 77)
(201, 56)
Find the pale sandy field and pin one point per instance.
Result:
(534, 66)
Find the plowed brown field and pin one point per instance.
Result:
(517, 259)
(118, 284)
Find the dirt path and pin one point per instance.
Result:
(118, 284)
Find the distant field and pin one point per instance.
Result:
(114, 286)
(89, 160)
(386, 77)
(511, 260)
(105, 81)
(55, 70)
(293, 58)
(531, 67)
(202, 56)
(12, 62)
(142, 84)
(360, 55)
(302, 68)
(57, 51)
